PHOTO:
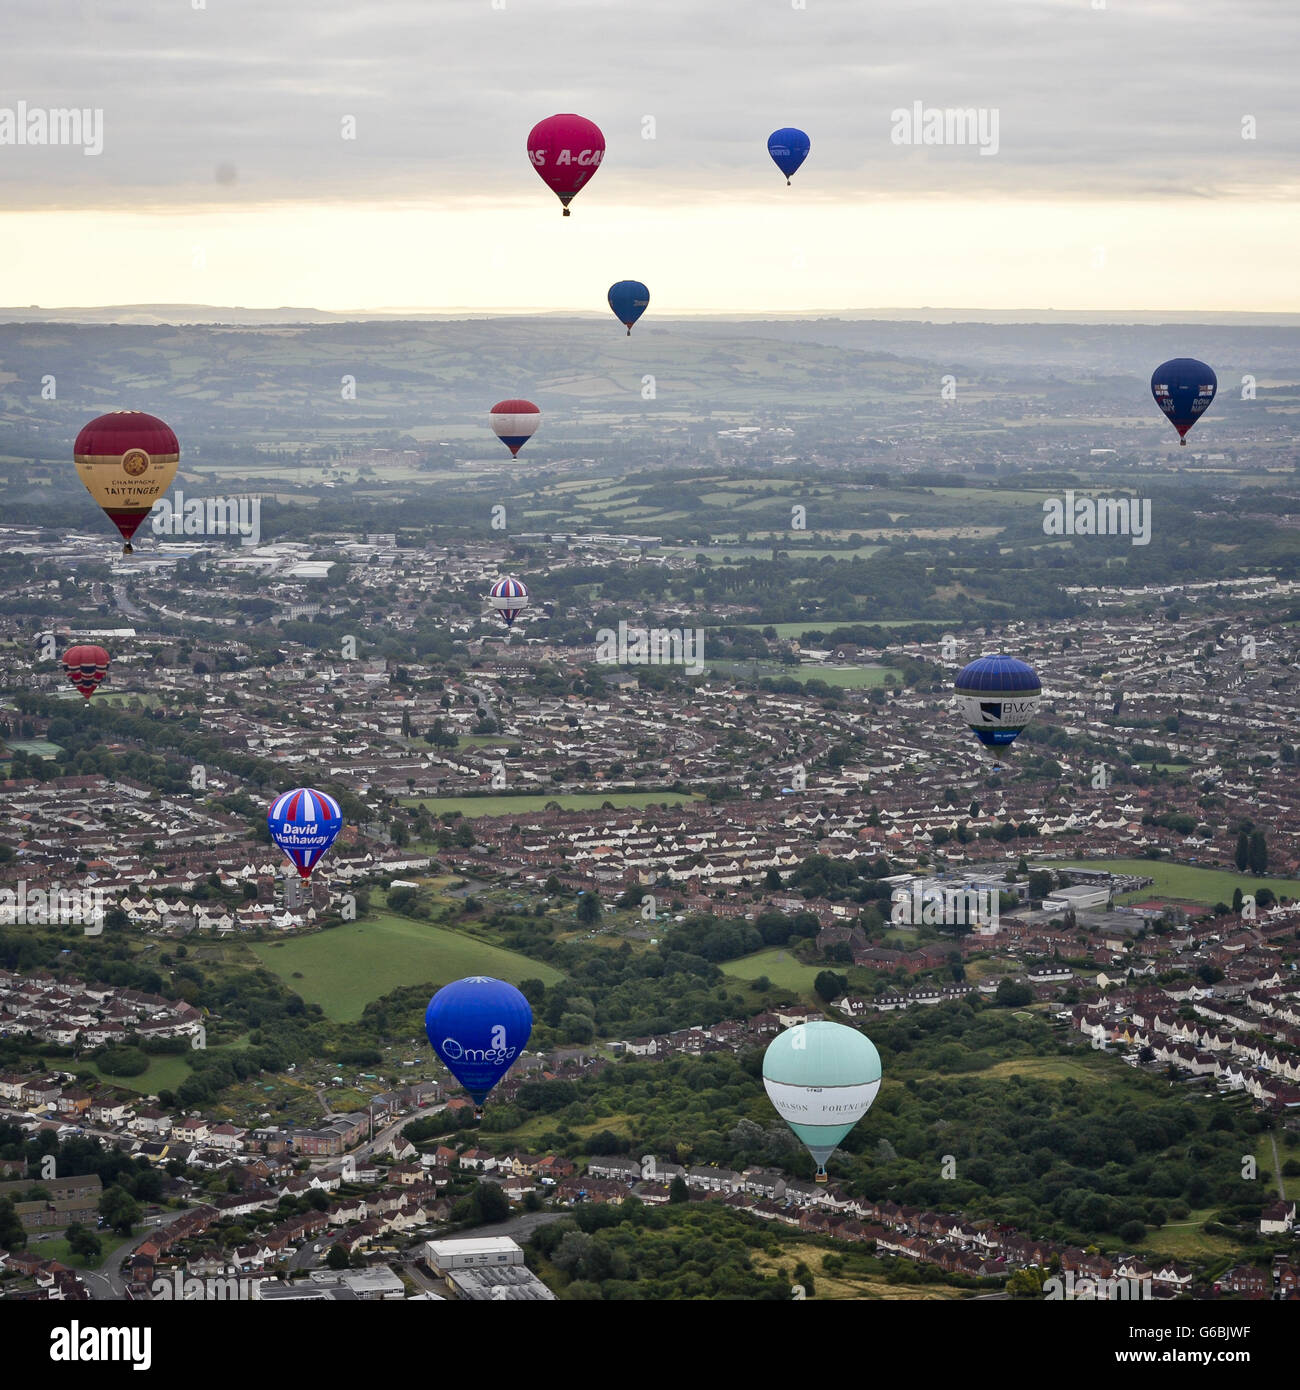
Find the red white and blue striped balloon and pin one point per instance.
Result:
(304, 823)
(515, 422)
(509, 597)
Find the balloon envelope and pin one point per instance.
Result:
(628, 299)
(515, 422)
(126, 459)
(86, 667)
(478, 1027)
(1183, 388)
(789, 148)
(566, 151)
(304, 823)
(822, 1078)
(997, 696)
(509, 597)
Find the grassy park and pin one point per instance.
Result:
(344, 968)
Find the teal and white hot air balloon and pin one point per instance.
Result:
(822, 1079)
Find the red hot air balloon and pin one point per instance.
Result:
(566, 151)
(86, 667)
(126, 459)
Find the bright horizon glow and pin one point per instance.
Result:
(1223, 255)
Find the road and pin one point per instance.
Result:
(107, 1284)
(1277, 1168)
(125, 604)
(382, 1136)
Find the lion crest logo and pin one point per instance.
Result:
(135, 462)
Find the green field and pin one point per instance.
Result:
(162, 1074)
(39, 747)
(828, 626)
(344, 968)
(778, 965)
(843, 677)
(472, 807)
(1208, 886)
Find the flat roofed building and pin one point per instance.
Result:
(481, 1252)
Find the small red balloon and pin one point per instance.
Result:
(86, 667)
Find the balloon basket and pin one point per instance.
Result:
(126, 549)
(821, 1175)
(566, 212)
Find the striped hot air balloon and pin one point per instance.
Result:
(86, 667)
(304, 823)
(126, 459)
(509, 597)
(515, 422)
(997, 696)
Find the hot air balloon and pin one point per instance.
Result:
(997, 697)
(126, 459)
(1183, 389)
(566, 151)
(515, 423)
(822, 1078)
(789, 148)
(478, 1027)
(628, 299)
(86, 667)
(509, 597)
(304, 823)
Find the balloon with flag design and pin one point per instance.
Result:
(514, 423)
(822, 1079)
(478, 1027)
(1184, 388)
(86, 667)
(509, 596)
(304, 823)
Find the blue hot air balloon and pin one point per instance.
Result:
(789, 148)
(628, 299)
(1183, 388)
(304, 823)
(997, 696)
(478, 1027)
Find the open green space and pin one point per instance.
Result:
(344, 968)
(472, 807)
(162, 1074)
(843, 677)
(1187, 1240)
(778, 965)
(1208, 886)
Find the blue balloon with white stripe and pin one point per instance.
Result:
(997, 696)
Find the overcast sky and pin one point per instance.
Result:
(1120, 179)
